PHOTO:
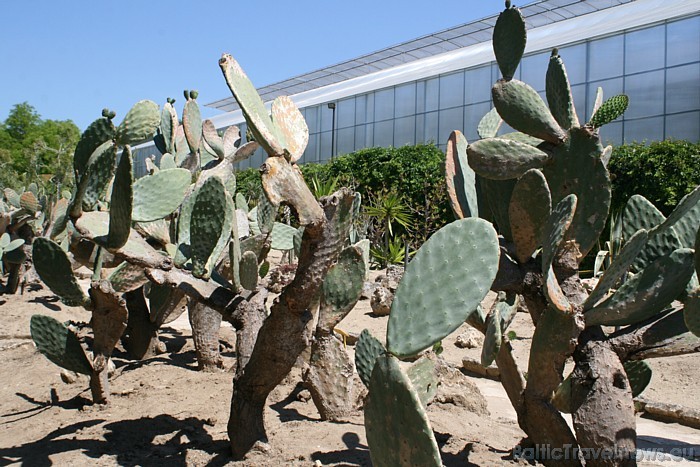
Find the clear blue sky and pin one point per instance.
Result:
(70, 59)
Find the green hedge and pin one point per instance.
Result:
(663, 172)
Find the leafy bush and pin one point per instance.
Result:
(662, 171)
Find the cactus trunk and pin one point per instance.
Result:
(205, 323)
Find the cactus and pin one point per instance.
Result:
(59, 344)
(157, 196)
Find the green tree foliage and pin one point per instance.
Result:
(36, 150)
(662, 171)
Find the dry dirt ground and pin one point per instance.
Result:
(164, 411)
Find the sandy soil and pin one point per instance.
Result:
(163, 410)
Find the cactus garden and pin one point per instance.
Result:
(175, 319)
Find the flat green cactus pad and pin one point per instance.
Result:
(212, 138)
(559, 98)
(157, 196)
(167, 162)
(266, 133)
(265, 215)
(168, 127)
(618, 268)
(691, 312)
(139, 123)
(282, 236)
(521, 138)
(497, 195)
(558, 225)
(341, 288)
(609, 111)
(29, 202)
(502, 159)
(576, 168)
(448, 277)
(207, 224)
(489, 124)
(248, 270)
(424, 379)
(638, 374)
(523, 109)
(55, 270)
(530, 207)
(647, 293)
(97, 133)
(492, 339)
(121, 202)
(509, 39)
(12, 197)
(367, 349)
(291, 123)
(460, 178)
(685, 218)
(59, 344)
(639, 213)
(98, 173)
(127, 277)
(192, 124)
(397, 427)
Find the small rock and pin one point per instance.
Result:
(381, 301)
(475, 367)
(470, 339)
(68, 377)
(457, 389)
(394, 273)
(304, 395)
(368, 290)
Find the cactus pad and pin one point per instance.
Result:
(168, 127)
(341, 288)
(367, 349)
(59, 344)
(502, 159)
(29, 203)
(192, 124)
(559, 98)
(446, 280)
(423, 379)
(530, 207)
(489, 124)
(558, 224)
(492, 338)
(139, 123)
(691, 312)
(260, 124)
(460, 178)
(121, 203)
(497, 195)
(248, 270)
(522, 108)
(12, 197)
(647, 293)
(609, 111)
(127, 277)
(397, 427)
(291, 123)
(509, 39)
(98, 173)
(97, 133)
(54, 269)
(207, 224)
(212, 138)
(282, 236)
(157, 196)
(685, 218)
(638, 374)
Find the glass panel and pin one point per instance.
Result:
(326, 117)
(579, 94)
(384, 104)
(325, 152)
(452, 90)
(345, 140)
(575, 61)
(645, 129)
(405, 96)
(432, 92)
(360, 137)
(384, 133)
(310, 154)
(345, 113)
(646, 93)
(472, 116)
(370, 108)
(606, 58)
(683, 126)
(361, 109)
(420, 126)
(611, 134)
(534, 70)
(477, 85)
(644, 50)
(311, 116)
(682, 89)
(611, 87)
(404, 131)
(420, 97)
(450, 120)
(369, 135)
(683, 41)
(430, 127)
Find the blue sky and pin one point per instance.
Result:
(71, 59)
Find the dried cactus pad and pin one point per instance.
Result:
(291, 123)
(397, 427)
(367, 350)
(54, 269)
(447, 279)
(59, 344)
(530, 207)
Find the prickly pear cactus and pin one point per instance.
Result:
(59, 344)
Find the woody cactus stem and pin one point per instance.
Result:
(273, 357)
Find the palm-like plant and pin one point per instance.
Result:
(389, 209)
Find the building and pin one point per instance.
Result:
(421, 90)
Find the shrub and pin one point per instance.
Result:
(662, 171)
